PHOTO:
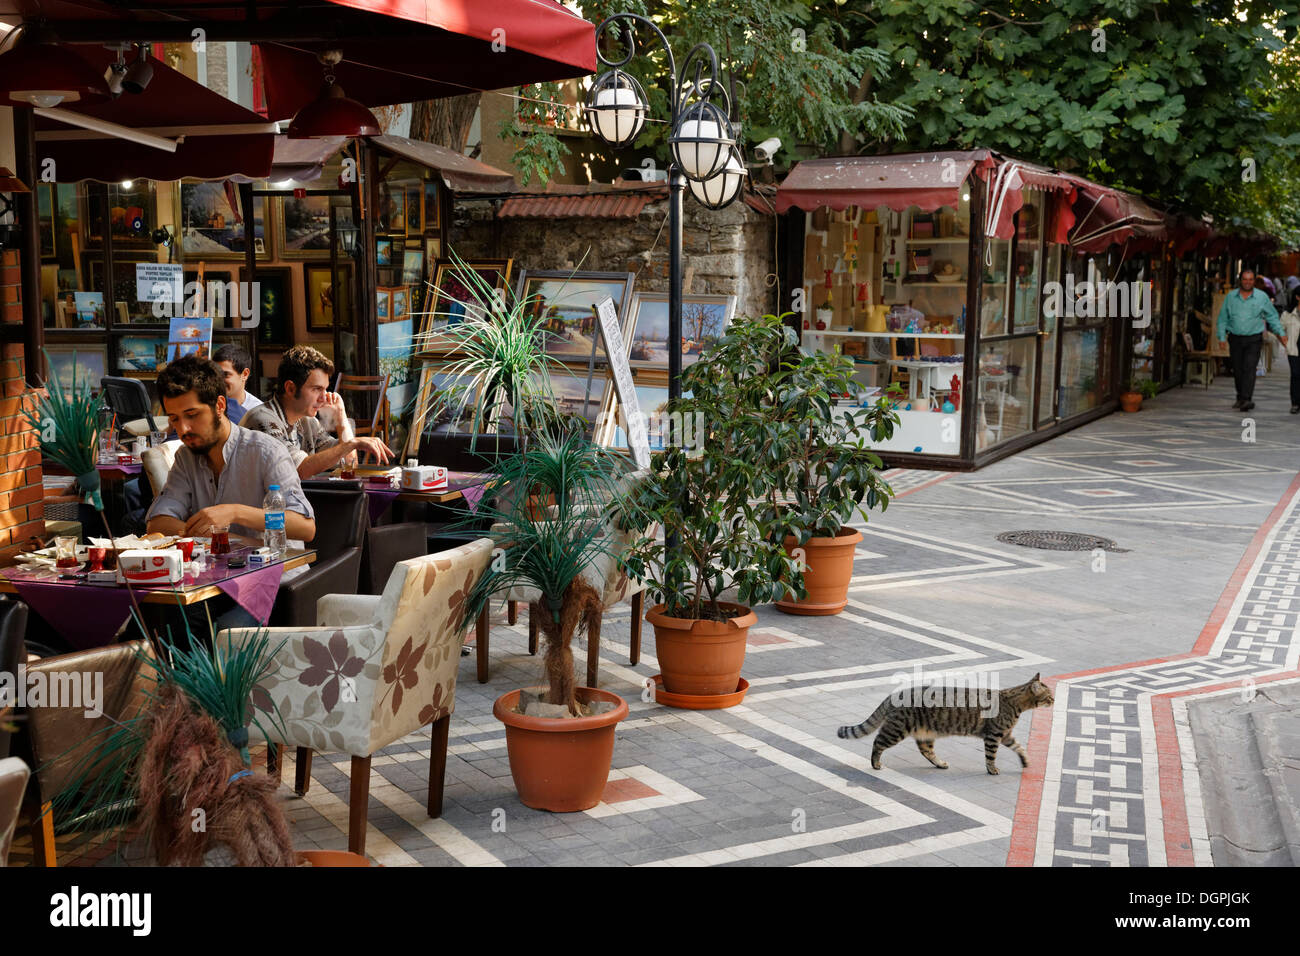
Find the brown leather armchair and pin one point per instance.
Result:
(62, 741)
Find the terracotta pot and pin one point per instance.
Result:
(560, 764)
(331, 858)
(538, 505)
(829, 566)
(701, 657)
(1130, 401)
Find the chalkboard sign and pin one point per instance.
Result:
(623, 384)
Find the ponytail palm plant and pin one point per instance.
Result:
(560, 554)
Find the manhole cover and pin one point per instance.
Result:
(1059, 541)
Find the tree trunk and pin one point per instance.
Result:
(581, 607)
(445, 122)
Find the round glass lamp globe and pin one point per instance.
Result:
(620, 116)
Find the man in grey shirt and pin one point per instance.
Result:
(222, 474)
(302, 390)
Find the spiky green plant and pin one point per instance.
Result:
(498, 355)
(216, 677)
(66, 421)
(553, 549)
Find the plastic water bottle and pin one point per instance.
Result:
(273, 538)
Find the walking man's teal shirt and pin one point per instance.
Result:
(1247, 316)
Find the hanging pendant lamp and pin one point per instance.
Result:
(35, 71)
(332, 113)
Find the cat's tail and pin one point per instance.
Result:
(868, 726)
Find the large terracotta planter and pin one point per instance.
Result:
(829, 567)
(701, 657)
(331, 858)
(560, 764)
(1130, 401)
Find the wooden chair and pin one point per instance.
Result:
(395, 659)
(376, 385)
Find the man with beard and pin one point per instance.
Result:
(222, 474)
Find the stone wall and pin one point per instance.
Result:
(728, 252)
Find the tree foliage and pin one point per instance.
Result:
(1164, 98)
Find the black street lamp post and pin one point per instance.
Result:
(705, 153)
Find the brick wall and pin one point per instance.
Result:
(22, 508)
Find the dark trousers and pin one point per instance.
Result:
(1295, 378)
(1243, 350)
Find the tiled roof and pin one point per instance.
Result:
(593, 201)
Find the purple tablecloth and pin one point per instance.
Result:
(92, 620)
(132, 469)
(255, 592)
(379, 500)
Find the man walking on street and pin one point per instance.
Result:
(1241, 322)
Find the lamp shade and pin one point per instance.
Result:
(616, 108)
(333, 114)
(34, 73)
(702, 141)
(724, 187)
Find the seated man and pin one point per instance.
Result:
(235, 364)
(301, 390)
(222, 474)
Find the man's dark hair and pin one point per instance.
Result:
(192, 374)
(236, 355)
(1244, 271)
(299, 362)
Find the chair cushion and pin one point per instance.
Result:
(13, 784)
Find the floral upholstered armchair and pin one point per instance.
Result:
(374, 669)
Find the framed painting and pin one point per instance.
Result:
(432, 250)
(414, 210)
(327, 307)
(302, 227)
(569, 397)
(652, 397)
(83, 363)
(704, 319)
(392, 209)
(273, 293)
(141, 353)
(566, 304)
(453, 298)
(412, 266)
(383, 252)
(214, 227)
(443, 406)
(217, 294)
(124, 285)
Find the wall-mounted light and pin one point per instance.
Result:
(139, 73)
(117, 70)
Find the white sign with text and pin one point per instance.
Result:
(623, 384)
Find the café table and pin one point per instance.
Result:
(466, 485)
(90, 613)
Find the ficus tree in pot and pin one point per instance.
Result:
(711, 493)
(826, 472)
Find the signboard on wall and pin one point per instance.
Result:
(623, 384)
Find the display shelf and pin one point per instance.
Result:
(932, 242)
(957, 284)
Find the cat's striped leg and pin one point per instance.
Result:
(991, 742)
(887, 737)
(927, 751)
(1009, 741)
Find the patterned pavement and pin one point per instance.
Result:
(1203, 598)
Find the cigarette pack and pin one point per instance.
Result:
(163, 566)
(424, 478)
(260, 556)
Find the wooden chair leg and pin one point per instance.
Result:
(636, 626)
(42, 831)
(482, 627)
(512, 612)
(358, 804)
(438, 763)
(532, 631)
(302, 771)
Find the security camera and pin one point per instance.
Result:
(765, 150)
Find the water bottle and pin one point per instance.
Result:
(107, 426)
(273, 538)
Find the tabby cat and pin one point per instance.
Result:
(926, 721)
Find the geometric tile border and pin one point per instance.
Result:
(1109, 780)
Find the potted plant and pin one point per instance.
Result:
(828, 472)
(711, 501)
(560, 744)
(1130, 400)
